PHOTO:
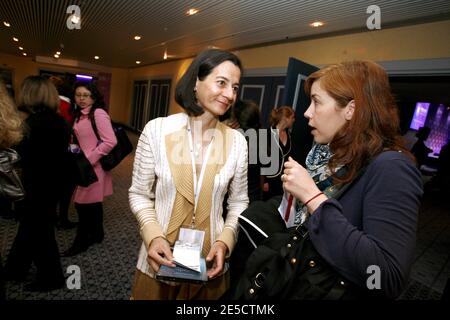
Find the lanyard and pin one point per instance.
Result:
(197, 183)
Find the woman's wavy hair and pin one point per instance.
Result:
(375, 125)
(96, 95)
(279, 113)
(11, 130)
(37, 91)
(200, 68)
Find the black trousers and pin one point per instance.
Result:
(90, 224)
(2, 281)
(35, 242)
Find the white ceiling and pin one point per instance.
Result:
(108, 27)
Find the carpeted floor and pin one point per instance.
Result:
(107, 269)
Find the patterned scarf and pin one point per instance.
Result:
(317, 167)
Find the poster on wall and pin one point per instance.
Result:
(104, 86)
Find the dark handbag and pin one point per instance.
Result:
(83, 173)
(285, 264)
(11, 187)
(121, 149)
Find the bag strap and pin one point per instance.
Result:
(94, 124)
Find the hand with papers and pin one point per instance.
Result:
(159, 253)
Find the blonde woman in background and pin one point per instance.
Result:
(10, 135)
(43, 155)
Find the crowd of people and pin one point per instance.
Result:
(195, 172)
(41, 128)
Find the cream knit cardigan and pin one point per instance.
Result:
(152, 192)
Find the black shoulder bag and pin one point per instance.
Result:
(83, 172)
(11, 187)
(120, 151)
(285, 265)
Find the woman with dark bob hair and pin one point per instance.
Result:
(372, 226)
(185, 164)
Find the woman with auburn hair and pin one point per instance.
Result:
(357, 148)
(281, 121)
(43, 153)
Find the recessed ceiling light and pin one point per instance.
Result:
(7, 24)
(165, 55)
(316, 24)
(191, 12)
(25, 54)
(138, 62)
(58, 52)
(15, 39)
(137, 37)
(96, 57)
(56, 56)
(20, 48)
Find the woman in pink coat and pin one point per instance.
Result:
(88, 200)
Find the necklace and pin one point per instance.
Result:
(197, 149)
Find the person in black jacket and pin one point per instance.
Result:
(420, 150)
(279, 138)
(43, 152)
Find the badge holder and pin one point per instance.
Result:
(190, 265)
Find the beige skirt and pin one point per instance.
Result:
(147, 288)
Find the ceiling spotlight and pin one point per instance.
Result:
(20, 48)
(7, 24)
(96, 57)
(316, 24)
(165, 55)
(191, 12)
(137, 37)
(56, 56)
(138, 62)
(25, 54)
(15, 39)
(58, 52)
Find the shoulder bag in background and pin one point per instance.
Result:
(83, 173)
(285, 265)
(11, 187)
(120, 151)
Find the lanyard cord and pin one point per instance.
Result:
(197, 184)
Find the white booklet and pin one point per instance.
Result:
(188, 249)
